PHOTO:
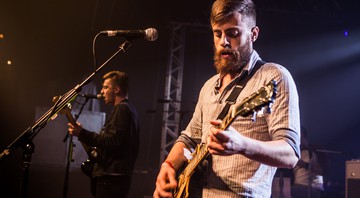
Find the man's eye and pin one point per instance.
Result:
(232, 33)
(217, 34)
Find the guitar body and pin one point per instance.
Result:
(184, 179)
(257, 100)
(87, 167)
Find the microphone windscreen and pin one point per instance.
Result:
(151, 34)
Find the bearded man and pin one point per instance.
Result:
(243, 157)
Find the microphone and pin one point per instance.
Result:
(149, 34)
(91, 96)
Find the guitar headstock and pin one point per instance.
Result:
(66, 110)
(261, 98)
(256, 101)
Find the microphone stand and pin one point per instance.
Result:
(25, 139)
(70, 157)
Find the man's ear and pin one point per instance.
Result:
(254, 33)
(117, 90)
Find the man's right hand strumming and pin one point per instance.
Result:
(166, 182)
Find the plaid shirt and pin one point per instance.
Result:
(237, 175)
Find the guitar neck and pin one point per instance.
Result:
(70, 118)
(229, 118)
(201, 153)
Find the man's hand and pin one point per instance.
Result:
(165, 182)
(227, 142)
(75, 129)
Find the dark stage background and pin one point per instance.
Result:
(49, 44)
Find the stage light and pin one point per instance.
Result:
(1, 36)
(346, 33)
(9, 62)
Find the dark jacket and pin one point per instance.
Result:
(117, 144)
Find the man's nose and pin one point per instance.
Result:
(224, 42)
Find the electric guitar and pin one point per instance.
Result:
(250, 105)
(88, 165)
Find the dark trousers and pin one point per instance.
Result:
(301, 191)
(112, 186)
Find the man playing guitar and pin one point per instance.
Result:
(244, 156)
(117, 144)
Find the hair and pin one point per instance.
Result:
(222, 9)
(118, 78)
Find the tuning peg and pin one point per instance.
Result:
(55, 99)
(54, 116)
(268, 109)
(253, 117)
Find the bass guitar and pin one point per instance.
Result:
(88, 165)
(250, 105)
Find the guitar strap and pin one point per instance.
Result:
(240, 84)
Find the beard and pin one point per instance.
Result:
(236, 62)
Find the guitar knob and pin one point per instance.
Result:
(94, 153)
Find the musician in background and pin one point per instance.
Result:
(244, 158)
(117, 144)
(309, 171)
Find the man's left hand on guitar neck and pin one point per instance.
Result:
(225, 142)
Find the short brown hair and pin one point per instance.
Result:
(222, 9)
(118, 78)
